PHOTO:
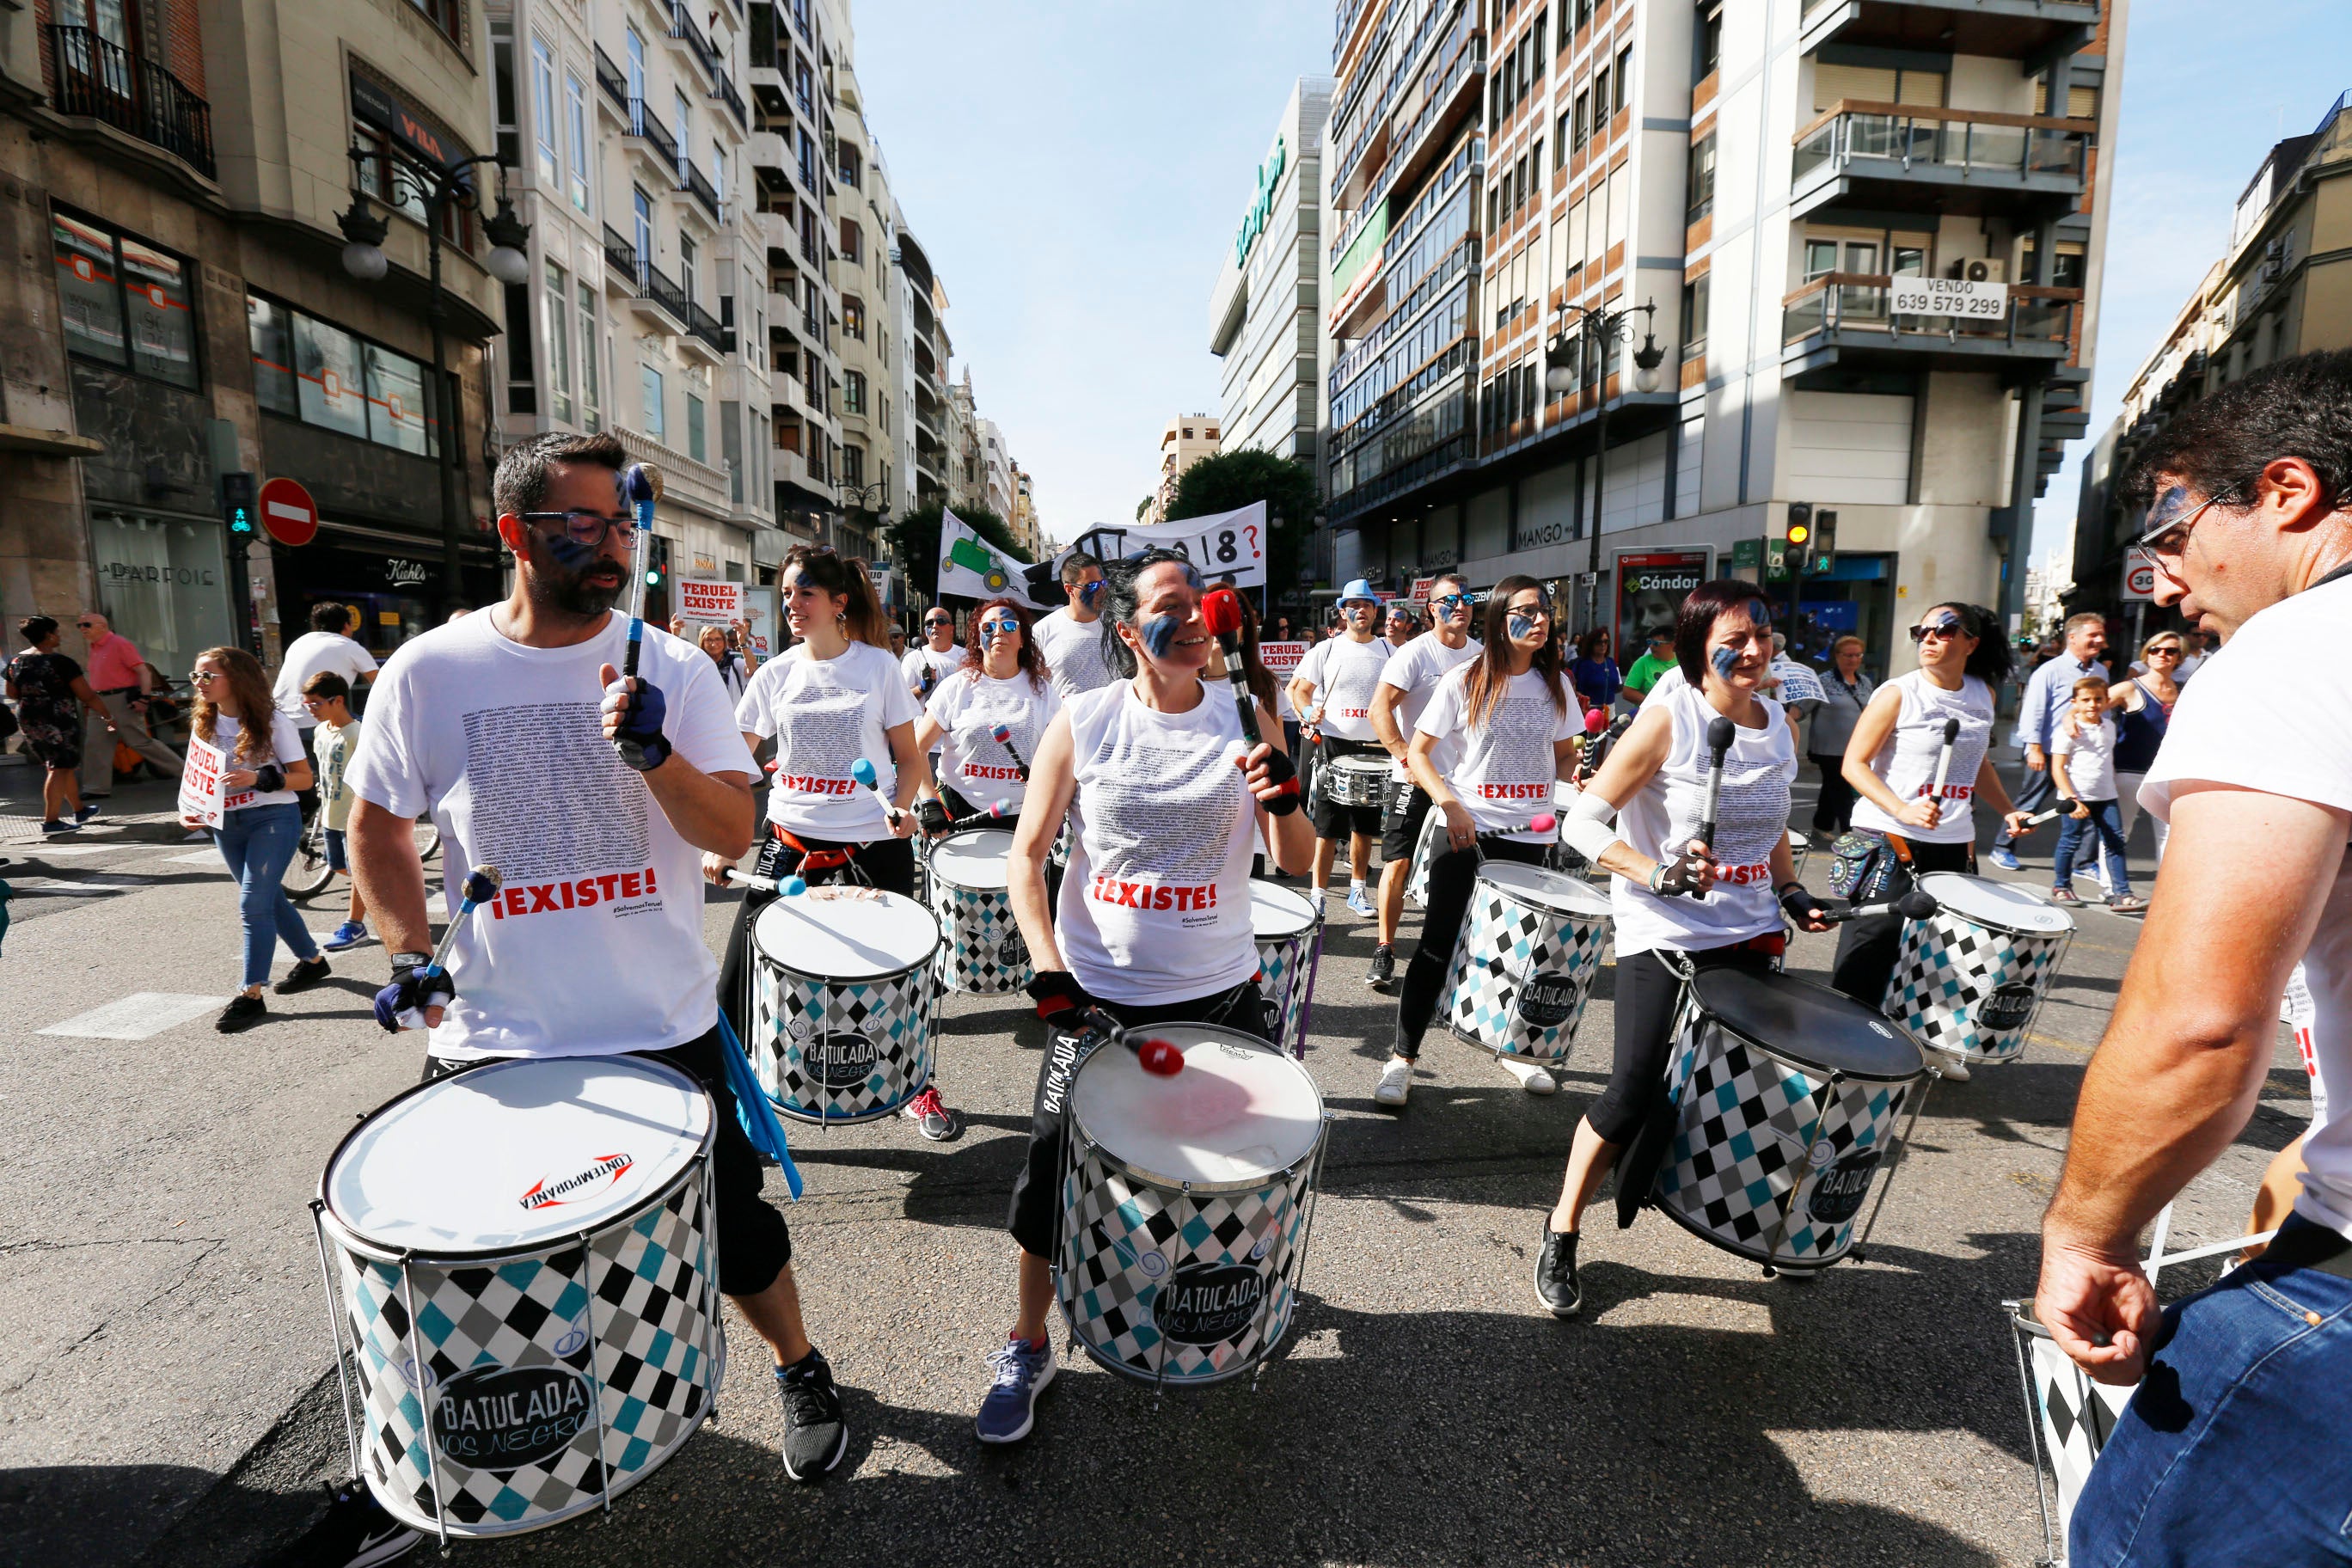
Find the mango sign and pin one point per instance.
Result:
(202, 795)
(708, 603)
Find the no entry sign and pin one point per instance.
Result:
(288, 512)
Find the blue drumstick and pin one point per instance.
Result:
(480, 887)
(640, 487)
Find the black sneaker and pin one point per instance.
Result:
(815, 1435)
(1381, 974)
(305, 974)
(243, 1012)
(1556, 1286)
(356, 1533)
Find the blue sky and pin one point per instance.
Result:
(1075, 172)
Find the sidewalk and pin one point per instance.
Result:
(147, 803)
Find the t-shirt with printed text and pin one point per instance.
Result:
(1415, 670)
(1343, 673)
(967, 706)
(824, 714)
(1501, 768)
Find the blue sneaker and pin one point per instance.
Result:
(350, 933)
(57, 827)
(84, 814)
(2004, 857)
(1359, 899)
(1021, 1374)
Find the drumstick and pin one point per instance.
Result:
(864, 772)
(641, 486)
(789, 886)
(1222, 608)
(1720, 734)
(1915, 905)
(1002, 736)
(1944, 763)
(1161, 1059)
(481, 886)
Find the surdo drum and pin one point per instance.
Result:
(1525, 961)
(983, 952)
(523, 1256)
(1356, 781)
(1785, 1098)
(1289, 942)
(1186, 1206)
(1425, 849)
(1970, 977)
(843, 1002)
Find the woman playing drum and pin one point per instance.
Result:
(1154, 917)
(1894, 762)
(1497, 735)
(1671, 893)
(1003, 684)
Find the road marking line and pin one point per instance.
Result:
(197, 857)
(137, 1016)
(43, 851)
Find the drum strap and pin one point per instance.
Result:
(2309, 1246)
(812, 859)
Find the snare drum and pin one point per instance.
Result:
(1786, 1095)
(842, 1004)
(522, 1253)
(1186, 1203)
(1525, 961)
(1290, 943)
(983, 952)
(1971, 976)
(1356, 781)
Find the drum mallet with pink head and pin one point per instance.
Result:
(1002, 736)
(1222, 608)
(1161, 1058)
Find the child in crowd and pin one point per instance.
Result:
(2082, 767)
(328, 697)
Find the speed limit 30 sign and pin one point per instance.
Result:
(2139, 575)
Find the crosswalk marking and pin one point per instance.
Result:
(137, 1016)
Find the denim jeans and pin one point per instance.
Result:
(258, 842)
(2106, 820)
(2238, 1447)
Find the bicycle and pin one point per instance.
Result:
(308, 874)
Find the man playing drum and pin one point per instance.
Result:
(2238, 1447)
(502, 726)
(1408, 680)
(1332, 690)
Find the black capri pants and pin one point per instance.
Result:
(887, 864)
(1867, 948)
(1647, 990)
(1452, 878)
(754, 1244)
(1034, 1214)
(1333, 820)
(1401, 822)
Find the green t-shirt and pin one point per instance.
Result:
(335, 748)
(1646, 672)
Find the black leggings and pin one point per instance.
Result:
(1452, 876)
(1647, 990)
(1834, 811)
(887, 864)
(1867, 948)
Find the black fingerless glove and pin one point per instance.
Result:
(268, 778)
(931, 817)
(1679, 875)
(1802, 905)
(401, 1005)
(638, 738)
(1058, 995)
(1285, 777)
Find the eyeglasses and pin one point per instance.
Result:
(2167, 651)
(1942, 631)
(999, 628)
(588, 528)
(935, 624)
(2167, 526)
(1449, 602)
(203, 677)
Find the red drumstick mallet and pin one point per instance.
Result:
(1222, 608)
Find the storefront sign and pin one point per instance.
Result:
(402, 572)
(705, 602)
(407, 126)
(288, 513)
(1269, 180)
(1650, 587)
(202, 790)
(1950, 297)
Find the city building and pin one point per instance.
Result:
(1265, 314)
(1874, 180)
(2283, 288)
(1023, 519)
(188, 171)
(1188, 438)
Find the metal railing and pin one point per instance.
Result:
(690, 178)
(704, 325)
(609, 78)
(653, 284)
(1861, 301)
(723, 90)
(2018, 144)
(105, 82)
(646, 126)
(682, 27)
(620, 255)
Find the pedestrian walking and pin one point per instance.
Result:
(2083, 773)
(1847, 692)
(1594, 672)
(1657, 659)
(120, 675)
(2143, 710)
(51, 693)
(327, 646)
(261, 823)
(335, 742)
(2039, 710)
(2234, 1449)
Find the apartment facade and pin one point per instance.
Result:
(1265, 314)
(1756, 195)
(2283, 288)
(1188, 438)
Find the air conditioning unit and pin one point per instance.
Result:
(1988, 271)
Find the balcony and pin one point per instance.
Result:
(2003, 29)
(699, 483)
(723, 88)
(620, 260)
(682, 30)
(646, 127)
(704, 328)
(1843, 319)
(609, 80)
(692, 179)
(94, 79)
(654, 296)
(1886, 157)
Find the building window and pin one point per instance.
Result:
(851, 166)
(719, 172)
(642, 209)
(853, 316)
(554, 326)
(1702, 177)
(696, 437)
(1709, 39)
(649, 392)
(502, 96)
(852, 464)
(543, 111)
(683, 108)
(853, 391)
(1601, 104)
(575, 110)
(446, 16)
(1624, 77)
(305, 369)
(853, 242)
(1695, 317)
(1581, 119)
(125, 302)
(633, 53)
(686, 280)
(591, 414)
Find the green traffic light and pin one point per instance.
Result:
(653, 579)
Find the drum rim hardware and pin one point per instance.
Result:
(860, 979)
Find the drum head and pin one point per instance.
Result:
(510, 1155)
(845, 933)
(975, 858)
(1546, 890)
(1276, 912)
(1809, 1025)
(1238, 1113)
(1379, 767)
(2003, 906)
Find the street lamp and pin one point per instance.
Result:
(440, 187)
(1584, 342)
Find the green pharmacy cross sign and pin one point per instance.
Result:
(1269, 178)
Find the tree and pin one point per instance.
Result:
(1232, 480)
(915, 542)
(1143, 507)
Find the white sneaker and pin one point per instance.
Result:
(1315, 897)
(1533, 1078)
(1395, 1078)
(1952, 1065)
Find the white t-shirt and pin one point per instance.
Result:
(1342, 673)
(1415, 670)
(1155, 906)
(312, 654)
(286, 750)
(594, 942)
(967, 706)
(2090, 757)
(2250, 728)
(1501, 770)
(824, 714)
(1751, 817)
(1907, 761)
(925, 667)
(1072, 650)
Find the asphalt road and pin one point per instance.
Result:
(166, 1398)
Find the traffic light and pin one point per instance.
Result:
(1800, 542)
(1824, 544)
(236, 505)
(656, 562)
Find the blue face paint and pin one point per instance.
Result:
(1090, 593)
(1726, 659)
(1158, 633)
(2168, 506)
(569, 552)
(1759, 614)
(1520, 626)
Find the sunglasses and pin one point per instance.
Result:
(2167, 651)
(583, 527)
(999, 628)
(1449, 602)
(1942, 630)
(936, 625)
(203, 677)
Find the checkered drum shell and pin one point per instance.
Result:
(555, 1376)
(1772, 1154)
(1187, 1287)
(1284, 925)
(1424, 851)
(844, 1003)
(1525, 960)
(2076, 1415)
(983, 952)
(1971, 977)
